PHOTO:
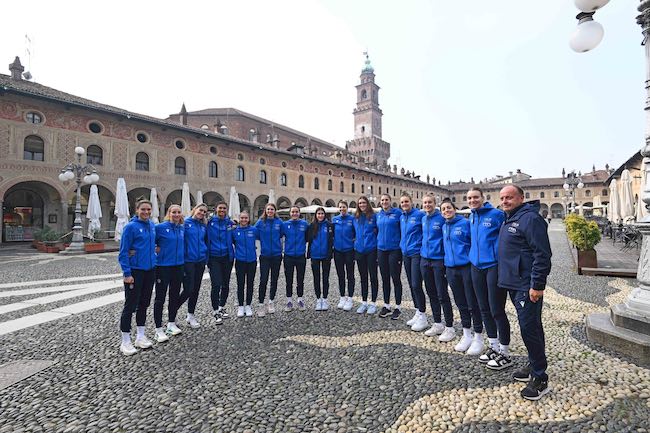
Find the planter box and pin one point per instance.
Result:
(94, 247)
(52, 249)
(587, 259)
(40, 246)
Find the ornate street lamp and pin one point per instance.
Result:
(69, 172)
(571, 182)
(371, 197)
(626, 328)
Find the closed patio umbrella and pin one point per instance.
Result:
(626, 196)
(233, 206)
(614, 213)
(186, 206)
(94, 212)
(155, 207)
(121, 208)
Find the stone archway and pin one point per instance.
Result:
(258, 206)
(543, 210)
(244, 203)
(211, 198)
(107, 204)
(330, 203)
(301, 202)
(283, 203)
(557, 210)
(174, 197)
(317, 202)
(29, 206)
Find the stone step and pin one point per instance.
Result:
(601, 330)
(610, 272)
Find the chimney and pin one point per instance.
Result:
(16, 69)
(510, 173)
(183, 115)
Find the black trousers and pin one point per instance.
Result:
(297, 263)
(367, 264)
(414, 277)
(245, 277)
(390, 267)
(137, 297)
(172, 277)
(529, 314)
(269, 265)
(435, 281)
(492, 302)
(316, 265)
(344, 262)
(191, 284)
(460, 281)
(220, 269)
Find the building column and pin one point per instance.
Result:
(2, 224)
(63, 218)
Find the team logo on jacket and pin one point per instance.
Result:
(167, 230)
(458, 232)
(512, 230)
(515, 224)
(141, 231)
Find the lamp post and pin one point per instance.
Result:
(69, 172)
(571, 182)
(371, 197)
(626, 328)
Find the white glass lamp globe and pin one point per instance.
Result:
(63, 177)
(94, 178)
(581, 185)
(566, 186)
(86, 179)
(587, 36)
(79, 150)
(69, 175)
(590, 5)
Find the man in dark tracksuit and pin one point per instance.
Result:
(524, 263)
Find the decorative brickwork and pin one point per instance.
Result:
(65, 147)
(119, 156)
(5, 145)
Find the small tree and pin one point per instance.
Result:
(583, 234)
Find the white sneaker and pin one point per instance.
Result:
(271, 307)
(436, 329)
(261, 310)
(362, 308)
(319, 305)
(477, 347)
(413, 319)
(447, 335)
(325, 305)
(160, 336)
(372, 309)
(127, 349)
(248, 310)
(349, 303)
(172, 329)
(341, 303)
(240, 312)
(463, 344)
(421, 324)
(193, 322)
(143, 342)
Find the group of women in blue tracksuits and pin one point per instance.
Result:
(437, 249)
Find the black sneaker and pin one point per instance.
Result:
(218, 317)
(522, 374)
(224, 313)
(499, 362)
(385, 312)
(395, 314)
(488, 355)
(535, 389)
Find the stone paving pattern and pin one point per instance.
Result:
(313, 371)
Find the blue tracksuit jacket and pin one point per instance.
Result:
(457, 241)
(295, 237)
(321, 244)
(343, 232)
(270, 234)
(485, 223)
(388, 235)
(170, 238)
(220, 237)
(524, 249)
(411, 230)
(196, 241)
(365, 229)
(140, 236)
(244, 239)
(432, 244)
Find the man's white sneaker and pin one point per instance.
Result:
(271, 308)
(325, 305)
(143, 342)
(463, 344)
(421, 324)
(362, 308)
(127, 349)
(160, 336)
(240, 312)
(172, 329)
(447, 335)
(477, 347)
(248, 310)
(193, 322)
(436, 329)
(341, 303)
(349, 303)
(413, 319)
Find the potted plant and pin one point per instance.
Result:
(95, 242)
(50, 239)
(584, 235)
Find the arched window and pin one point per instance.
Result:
(352, 188)
(213, 171)
(283, 179)
(342, 187)
(527, 195)
(95, 155)
(542, 194)
(262, 176)
(329, 184)
(179, 166)
(316, 183)
(240, 174)
(605, 192)
(34, 148)
(587, 193)
(301, 181)
(142, 161)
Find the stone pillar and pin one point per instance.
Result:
(63, 218)
(2, 224)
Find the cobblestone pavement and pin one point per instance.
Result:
(300, 371)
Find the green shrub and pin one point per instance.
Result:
(583, 234)
(46, 234)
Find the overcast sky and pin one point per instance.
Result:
(468, 88)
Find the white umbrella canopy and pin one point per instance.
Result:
(614, 211)
(199, 197)
(94, 212)
(272, 196)
(597, 207)
(155, 207)
(627, 197)
(121, 208)
(233, 207)
(186, 206)
(641, 212)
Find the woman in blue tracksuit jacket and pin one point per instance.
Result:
(344, 254)
(457, 241)
(411, 245)
(137, 258)
(485, 222)
(196, 256)
(432, 267)
(269, 230)
(389, 255)
(321, 243)
(365, 247)
(295, 231)
(170, 242)
(244, 239)
(221, 253)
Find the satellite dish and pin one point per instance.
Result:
(27, 75)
